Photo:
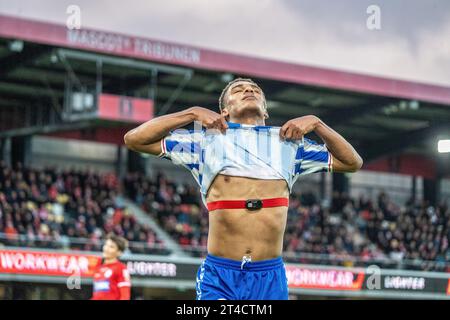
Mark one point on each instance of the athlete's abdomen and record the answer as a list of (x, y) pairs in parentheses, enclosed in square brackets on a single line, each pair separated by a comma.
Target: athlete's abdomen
[(234, 233)]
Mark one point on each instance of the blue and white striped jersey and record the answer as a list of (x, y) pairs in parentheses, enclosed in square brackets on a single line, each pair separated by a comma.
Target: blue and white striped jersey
[(245, 151)]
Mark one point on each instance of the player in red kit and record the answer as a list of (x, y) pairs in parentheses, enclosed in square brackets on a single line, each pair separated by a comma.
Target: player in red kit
[(111, 278)]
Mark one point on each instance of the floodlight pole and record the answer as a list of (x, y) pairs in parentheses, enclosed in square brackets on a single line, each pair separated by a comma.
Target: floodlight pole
[(99, 82)]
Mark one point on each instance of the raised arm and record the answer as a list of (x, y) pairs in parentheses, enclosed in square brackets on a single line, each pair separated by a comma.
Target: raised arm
[(147, 137), (344, 156)]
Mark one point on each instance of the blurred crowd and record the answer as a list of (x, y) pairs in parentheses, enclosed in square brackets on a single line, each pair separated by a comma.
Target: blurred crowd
[(415, 234), (176, 206), (349, 231), (66, 209), (76, 209)]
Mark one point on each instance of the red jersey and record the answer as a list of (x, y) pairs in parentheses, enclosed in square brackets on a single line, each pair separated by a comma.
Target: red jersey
[(111, 282)]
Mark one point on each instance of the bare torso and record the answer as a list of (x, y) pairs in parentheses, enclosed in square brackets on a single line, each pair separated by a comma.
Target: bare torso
[(234, 233)]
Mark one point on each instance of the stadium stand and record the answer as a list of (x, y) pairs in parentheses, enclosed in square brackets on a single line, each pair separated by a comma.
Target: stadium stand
[(175, 206), (414, 235), (352, 232), (66, 209), (52, 208)]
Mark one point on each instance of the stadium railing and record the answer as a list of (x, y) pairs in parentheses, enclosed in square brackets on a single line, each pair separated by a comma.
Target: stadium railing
[(79, 244), (84, 244), (347, 260)]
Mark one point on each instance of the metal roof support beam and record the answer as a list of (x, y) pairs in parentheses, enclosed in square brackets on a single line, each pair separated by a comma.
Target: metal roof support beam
[(347, 115), (175, 95), (153, 68), (12, 62), (397, 143), (128, 63), (33, 130)]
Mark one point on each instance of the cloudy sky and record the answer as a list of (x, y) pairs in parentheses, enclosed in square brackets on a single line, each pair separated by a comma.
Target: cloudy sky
[(413, 42)]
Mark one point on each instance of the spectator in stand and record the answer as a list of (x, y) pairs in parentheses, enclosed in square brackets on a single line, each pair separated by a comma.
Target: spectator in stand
[(52, 208), (351, 228)]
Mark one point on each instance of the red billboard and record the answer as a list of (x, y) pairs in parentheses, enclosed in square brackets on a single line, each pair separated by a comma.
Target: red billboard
[(448, 287), (121, 108), (47, 263), (325, 279)]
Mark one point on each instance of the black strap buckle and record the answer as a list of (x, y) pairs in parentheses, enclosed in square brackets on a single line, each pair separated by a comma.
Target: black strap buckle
[(253, 204)]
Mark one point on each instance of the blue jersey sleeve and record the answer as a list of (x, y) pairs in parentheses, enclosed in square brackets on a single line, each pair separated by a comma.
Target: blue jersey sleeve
[(312, 157), (183, 147)]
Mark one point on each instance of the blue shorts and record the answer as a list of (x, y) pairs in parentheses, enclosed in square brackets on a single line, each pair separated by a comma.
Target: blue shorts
[(219, 278)]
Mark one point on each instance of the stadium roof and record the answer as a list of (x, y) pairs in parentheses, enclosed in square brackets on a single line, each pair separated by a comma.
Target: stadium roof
[(378, 115)]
